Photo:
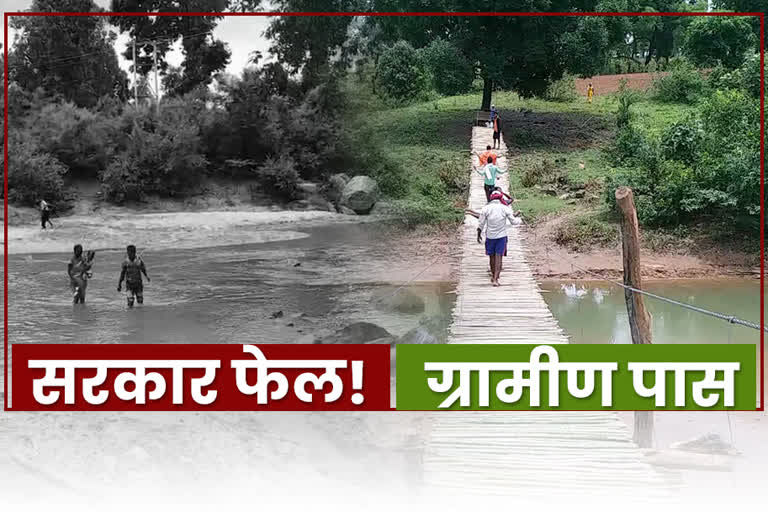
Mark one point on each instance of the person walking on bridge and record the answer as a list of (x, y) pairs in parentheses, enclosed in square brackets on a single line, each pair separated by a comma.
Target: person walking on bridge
[(493, 218), (489, 173), (497, 132)]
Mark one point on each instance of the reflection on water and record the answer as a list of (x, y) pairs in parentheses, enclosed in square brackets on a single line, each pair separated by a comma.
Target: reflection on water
[(595, 312)]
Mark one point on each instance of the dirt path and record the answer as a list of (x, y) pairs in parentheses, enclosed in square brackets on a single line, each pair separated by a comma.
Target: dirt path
[(549, 260), (606, 84)]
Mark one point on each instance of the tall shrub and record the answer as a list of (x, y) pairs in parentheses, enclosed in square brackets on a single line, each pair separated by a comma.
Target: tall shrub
[(401, 74), (450, 71), (683, 84), (33, 174)]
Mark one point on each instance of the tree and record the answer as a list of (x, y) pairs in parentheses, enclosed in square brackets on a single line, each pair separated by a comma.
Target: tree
[(311, 44), (400, 73), (451, 72), (746, 6), (723, 40), (204, 55), (641, 39), (72, 57), (521, 53)]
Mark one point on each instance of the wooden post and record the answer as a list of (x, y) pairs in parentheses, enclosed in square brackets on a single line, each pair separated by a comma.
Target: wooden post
[(639, 317)]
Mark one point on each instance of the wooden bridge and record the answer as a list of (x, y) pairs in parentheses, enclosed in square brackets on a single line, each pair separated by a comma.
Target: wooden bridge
[(546, 454)]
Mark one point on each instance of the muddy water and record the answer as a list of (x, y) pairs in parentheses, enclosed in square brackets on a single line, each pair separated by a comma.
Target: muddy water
[(207, 288)]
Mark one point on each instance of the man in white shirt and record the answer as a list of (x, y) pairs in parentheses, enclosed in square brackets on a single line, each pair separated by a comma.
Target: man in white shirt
[(493, 217)]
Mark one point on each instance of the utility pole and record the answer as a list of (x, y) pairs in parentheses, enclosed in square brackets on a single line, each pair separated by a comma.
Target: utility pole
[(639, 317), (135, 82), (157, 88)]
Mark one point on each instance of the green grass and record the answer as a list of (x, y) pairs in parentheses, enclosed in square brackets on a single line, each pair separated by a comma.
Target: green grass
[(421, 140), (589, 229)]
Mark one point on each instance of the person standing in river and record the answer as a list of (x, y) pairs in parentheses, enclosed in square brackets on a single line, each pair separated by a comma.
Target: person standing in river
[(133, 267), (488, 172), (45, 213), (493, 218), (79, 272)]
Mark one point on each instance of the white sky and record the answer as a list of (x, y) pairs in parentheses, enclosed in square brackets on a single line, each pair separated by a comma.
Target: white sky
[(243, 35)]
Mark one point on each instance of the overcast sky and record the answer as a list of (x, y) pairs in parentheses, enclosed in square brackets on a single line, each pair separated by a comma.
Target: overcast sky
[(242, 34)]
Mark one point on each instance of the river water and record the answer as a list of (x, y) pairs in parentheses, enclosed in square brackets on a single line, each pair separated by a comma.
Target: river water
[(221, 279), (600, 314), (595, 311), (252, 277), (326, 278)]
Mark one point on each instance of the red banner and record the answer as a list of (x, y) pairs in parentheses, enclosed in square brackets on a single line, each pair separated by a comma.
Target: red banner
[(184, 377)]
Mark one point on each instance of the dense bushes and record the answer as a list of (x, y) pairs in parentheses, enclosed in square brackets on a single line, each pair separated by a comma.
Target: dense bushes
[(721, 40), (683, 84), (681, 141), (283, 132), (163, 156), (279, 175), (450, 71), (707, 166), (404, 73), (33, 174), (79, 138), (400, 72), (563, 90)]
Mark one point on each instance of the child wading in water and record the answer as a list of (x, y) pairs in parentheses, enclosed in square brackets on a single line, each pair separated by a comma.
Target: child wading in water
[(133, 267)]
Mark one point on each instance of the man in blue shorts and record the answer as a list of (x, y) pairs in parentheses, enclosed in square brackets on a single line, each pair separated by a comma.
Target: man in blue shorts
[(493, 218)]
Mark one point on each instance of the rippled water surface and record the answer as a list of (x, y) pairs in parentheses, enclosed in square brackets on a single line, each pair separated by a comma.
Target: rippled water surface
[(599, 314)]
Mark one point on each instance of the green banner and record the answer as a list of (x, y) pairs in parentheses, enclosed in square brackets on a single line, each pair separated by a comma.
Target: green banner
[(576, 377)]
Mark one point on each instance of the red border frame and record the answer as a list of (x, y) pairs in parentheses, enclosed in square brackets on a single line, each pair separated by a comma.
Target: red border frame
[(762, 129)]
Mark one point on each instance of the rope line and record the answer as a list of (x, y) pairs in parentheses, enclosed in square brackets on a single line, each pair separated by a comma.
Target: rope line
[(731, 319), (438, 258)]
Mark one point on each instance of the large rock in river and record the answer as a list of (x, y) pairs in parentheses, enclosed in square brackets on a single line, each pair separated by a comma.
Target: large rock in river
[(360, 194)]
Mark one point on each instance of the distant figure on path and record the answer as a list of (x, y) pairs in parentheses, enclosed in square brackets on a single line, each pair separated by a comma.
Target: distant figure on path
[(494, 113), (493, 218), (590, 92), (133, 267), (45, 214), (483, 157), (79, 272), (489, 172), (497, 132)]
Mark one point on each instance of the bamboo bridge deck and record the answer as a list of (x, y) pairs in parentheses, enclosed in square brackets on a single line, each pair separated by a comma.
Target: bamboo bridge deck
[(519, 454)]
